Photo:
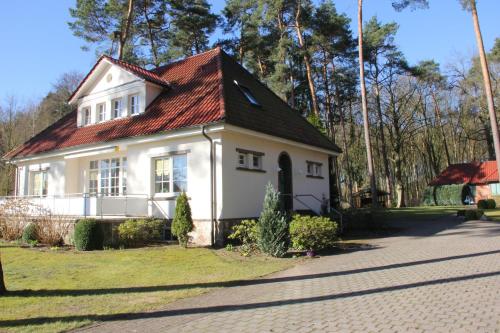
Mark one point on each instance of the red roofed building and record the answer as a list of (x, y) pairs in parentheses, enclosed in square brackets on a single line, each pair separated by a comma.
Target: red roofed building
[(482, 178), (203, 125)]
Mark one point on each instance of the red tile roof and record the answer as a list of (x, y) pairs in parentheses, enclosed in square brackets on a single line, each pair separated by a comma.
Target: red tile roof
[(468, 173), (200, 91)]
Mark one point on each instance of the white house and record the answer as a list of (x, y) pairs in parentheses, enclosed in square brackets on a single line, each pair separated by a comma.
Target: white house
[(203, 125)]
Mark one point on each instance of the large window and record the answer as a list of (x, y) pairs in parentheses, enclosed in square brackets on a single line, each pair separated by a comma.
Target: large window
[(134, 104), (39, 183), (495, 188), (109, 176), (170, 174)]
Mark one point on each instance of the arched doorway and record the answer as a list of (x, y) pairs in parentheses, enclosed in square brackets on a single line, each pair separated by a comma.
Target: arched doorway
[(285, 182)]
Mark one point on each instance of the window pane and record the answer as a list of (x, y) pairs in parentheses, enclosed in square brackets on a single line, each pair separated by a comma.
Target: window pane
[(180, 173), (124, 176)]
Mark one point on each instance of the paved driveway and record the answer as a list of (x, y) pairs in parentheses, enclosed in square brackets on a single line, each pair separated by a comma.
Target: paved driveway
[(440, 275)]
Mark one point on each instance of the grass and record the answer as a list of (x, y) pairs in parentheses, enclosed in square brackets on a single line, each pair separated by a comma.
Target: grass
[(493, 214), (70, 288), (418, 213)]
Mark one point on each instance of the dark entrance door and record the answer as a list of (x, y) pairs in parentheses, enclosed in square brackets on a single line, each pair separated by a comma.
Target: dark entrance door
[(285, 182)]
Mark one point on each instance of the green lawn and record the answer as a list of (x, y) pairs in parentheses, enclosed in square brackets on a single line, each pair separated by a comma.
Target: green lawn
[(71, 289), (493, 214), (418, 213)]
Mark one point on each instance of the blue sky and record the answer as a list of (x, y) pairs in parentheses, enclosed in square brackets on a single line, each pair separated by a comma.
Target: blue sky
[(38, 45)]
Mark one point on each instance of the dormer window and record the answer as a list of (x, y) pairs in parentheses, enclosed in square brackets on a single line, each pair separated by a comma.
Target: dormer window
[(101, 112), (247, 93), (117, 108), (134, 104), (86, 116)]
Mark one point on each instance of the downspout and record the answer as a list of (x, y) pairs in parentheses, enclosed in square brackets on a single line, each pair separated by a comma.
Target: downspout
[(212, 186)]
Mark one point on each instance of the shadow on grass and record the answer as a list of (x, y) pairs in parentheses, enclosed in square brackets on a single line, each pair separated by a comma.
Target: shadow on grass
[(237, 307), (233, 283)]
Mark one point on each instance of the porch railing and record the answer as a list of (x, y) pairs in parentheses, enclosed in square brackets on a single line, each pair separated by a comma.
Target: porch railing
[(85, 205)]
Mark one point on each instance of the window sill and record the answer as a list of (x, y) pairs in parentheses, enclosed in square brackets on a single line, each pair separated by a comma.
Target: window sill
[(167, 196), (315, 177), (251, 170)]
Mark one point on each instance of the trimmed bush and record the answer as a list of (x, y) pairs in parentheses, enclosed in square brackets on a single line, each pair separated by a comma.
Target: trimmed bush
[(312, 233), (473, 214), (136, 232), (30, 233), (482, 204), (273, 225), (492, 204), (182, 224), (247, 233), (88, 235)]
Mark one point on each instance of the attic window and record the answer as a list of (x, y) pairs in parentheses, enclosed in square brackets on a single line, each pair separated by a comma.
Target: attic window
[(248, 94)]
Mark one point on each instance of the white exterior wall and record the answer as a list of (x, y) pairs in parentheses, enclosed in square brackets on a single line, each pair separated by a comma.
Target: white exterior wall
[(243, 191)]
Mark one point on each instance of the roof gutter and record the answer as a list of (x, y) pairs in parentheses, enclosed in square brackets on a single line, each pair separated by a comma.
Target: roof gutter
[(212, 186)]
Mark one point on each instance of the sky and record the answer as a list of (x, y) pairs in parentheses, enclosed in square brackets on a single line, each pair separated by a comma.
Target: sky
[(38, 45)]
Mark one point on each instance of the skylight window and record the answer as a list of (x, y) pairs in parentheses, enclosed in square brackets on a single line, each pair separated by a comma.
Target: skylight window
[(247, 93)]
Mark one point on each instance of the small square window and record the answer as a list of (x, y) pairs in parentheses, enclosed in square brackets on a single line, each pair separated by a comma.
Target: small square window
[(314, 169), (257, 162), (242, 160)]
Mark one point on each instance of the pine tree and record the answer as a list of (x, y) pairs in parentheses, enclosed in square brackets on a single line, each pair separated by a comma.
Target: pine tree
[(183, 222), (273, 225), (191, 25)]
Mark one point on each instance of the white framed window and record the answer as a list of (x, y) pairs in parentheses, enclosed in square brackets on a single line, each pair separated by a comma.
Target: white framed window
[(314, 169), (101, 112), (124, 176), (170, 174), (93, 177), (250, 160), (108, 177), (39, 183), (134, 104), (242, 160), (257, 162), (116, 106), (86, 116)]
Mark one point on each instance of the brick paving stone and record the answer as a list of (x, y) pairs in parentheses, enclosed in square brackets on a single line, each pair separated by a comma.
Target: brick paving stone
[(436, 276)]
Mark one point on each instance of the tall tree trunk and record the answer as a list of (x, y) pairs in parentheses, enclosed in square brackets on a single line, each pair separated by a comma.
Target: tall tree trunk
[(437, 112), (346, 156), (385, 157), (371, 171), (3, 290), (154, 50), (307, 61), (487, 82), (125, 32)]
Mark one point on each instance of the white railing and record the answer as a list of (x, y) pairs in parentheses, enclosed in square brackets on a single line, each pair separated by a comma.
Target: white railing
[(82, 204)]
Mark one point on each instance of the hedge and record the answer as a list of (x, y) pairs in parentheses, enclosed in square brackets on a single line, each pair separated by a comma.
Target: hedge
[(443, 195)]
